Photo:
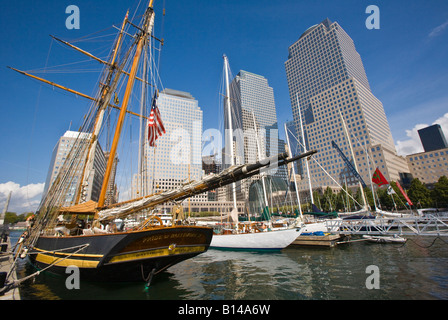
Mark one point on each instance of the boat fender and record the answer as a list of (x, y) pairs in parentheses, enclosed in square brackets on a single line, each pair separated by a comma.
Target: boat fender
[(24, 253)]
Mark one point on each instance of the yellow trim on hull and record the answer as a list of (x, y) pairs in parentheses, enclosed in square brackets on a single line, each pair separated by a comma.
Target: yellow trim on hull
[(47, 259), (71, 254), (65, 262), (157, 253)]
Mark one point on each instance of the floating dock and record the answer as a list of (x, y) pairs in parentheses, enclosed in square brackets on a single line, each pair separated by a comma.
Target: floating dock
[(327, 240), (429, 225), (6, 263)]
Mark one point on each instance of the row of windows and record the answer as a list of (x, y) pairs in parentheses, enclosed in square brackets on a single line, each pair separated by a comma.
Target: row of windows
[(426, 156)]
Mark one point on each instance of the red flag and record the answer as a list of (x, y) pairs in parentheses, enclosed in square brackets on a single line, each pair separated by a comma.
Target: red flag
[(155, 124), (378, 178), (404, 194)]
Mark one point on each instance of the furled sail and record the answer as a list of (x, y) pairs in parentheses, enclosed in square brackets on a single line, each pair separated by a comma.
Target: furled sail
[(210, 182)]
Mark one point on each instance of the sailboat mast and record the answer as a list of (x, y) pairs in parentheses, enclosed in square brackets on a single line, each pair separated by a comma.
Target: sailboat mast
[(259, 159), (142, 39), (304, 150), (293, 173), (370, 174), (104, 100), (141, 157), (230, 129), (353, 157)]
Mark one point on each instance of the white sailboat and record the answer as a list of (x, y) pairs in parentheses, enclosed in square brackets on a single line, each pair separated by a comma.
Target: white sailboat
[(388, 214), (250, 235), (256, 240)]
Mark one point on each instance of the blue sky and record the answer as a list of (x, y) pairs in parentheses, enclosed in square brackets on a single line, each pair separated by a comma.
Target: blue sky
[(405, 61)]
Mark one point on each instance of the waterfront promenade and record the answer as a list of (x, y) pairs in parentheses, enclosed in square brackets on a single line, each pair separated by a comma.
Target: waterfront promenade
[(6, 261)]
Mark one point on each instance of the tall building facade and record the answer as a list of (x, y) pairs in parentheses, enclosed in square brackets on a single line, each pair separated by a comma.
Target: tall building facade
[(177, 155), (430, 165), (254, 121), (326, 78), (95, 177)]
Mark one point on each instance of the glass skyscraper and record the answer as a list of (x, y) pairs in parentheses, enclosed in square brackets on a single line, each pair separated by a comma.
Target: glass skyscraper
[(326, 77), (254, 113), (61, 151), (177, 156), (432, 138)]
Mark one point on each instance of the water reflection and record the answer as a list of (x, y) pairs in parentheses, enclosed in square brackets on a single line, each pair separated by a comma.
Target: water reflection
[(416, 270), (237, 275)]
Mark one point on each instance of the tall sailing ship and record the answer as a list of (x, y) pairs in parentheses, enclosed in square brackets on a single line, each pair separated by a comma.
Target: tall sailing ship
[(60, 235)]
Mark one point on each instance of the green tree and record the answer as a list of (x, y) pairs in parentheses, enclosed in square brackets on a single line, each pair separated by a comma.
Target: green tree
[(359, 202), (350, 204), (440, 192), (339, 201), (11, 217), (398, 196), (317, 200), (419, 194), (328, 200), (369, 197), (385, 199)]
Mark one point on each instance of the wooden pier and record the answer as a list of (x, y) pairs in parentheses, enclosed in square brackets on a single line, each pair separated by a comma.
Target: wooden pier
[(6, 262), (327, 240)]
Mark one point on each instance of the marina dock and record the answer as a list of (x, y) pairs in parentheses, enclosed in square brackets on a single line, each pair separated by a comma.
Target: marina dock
[(429, 225), (327, 240), (6, 263)]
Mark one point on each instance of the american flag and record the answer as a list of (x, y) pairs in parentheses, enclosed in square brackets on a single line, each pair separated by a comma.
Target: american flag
[(155, 125)]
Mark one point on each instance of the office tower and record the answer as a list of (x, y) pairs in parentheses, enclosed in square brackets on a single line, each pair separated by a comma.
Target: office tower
[(112, 188), (177, 155), (255, 118), (432, 138), (95, 178), (429, 166), (326, 77), (210, 165)]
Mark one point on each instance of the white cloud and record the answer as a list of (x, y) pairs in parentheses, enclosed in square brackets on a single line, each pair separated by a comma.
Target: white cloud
[(413, 144), (437, 30), (23, 198)]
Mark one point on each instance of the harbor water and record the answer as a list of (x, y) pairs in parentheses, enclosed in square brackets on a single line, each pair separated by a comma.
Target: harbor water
[(417, 269)]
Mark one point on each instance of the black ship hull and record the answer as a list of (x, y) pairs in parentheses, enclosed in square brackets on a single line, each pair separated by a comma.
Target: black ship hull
[(123, 256)]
